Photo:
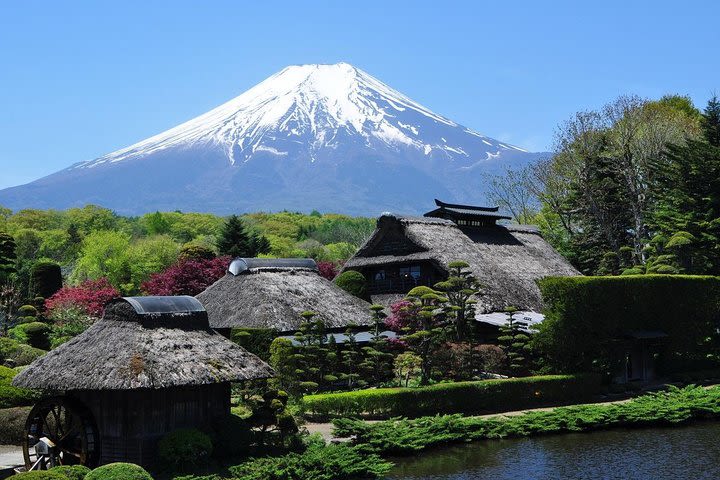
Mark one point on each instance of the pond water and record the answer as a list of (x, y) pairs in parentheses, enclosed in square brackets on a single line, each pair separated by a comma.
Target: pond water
[(691, 452)]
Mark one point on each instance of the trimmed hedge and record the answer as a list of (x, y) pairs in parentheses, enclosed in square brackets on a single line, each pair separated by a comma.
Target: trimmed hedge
[(18, 354), (461, 397), (583, 315), (352, 282), (12, 425), (185, 448), (12, 396), (119, 471)]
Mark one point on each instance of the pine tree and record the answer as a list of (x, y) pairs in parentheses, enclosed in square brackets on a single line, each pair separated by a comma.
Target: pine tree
[(711, 122), (514, 342), (234, 239), (7, 256), (460, 289)]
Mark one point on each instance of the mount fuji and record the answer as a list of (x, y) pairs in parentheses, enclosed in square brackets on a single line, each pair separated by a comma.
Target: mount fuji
[(324, 137)]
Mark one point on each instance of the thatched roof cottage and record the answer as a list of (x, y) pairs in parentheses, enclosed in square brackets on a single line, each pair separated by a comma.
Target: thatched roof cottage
[(149, 366), (273, 293), (404, 252)]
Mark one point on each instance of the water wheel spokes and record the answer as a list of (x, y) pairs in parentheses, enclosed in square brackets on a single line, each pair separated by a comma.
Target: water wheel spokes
[(60, 431)]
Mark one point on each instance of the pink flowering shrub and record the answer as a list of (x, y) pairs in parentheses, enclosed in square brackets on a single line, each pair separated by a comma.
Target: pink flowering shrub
[(88, 298), (189, 276)]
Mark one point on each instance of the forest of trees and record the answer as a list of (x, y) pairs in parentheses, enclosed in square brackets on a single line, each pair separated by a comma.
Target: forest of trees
[(92, 243), (631, 188)]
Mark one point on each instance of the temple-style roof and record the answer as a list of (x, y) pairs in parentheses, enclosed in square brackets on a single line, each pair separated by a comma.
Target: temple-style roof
[(273, 293), (507, 260), (464, 215), (144, 342)]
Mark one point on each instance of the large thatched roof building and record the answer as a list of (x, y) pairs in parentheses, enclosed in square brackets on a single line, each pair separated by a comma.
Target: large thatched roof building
[(273, 293), (149, 366), (405, 251)]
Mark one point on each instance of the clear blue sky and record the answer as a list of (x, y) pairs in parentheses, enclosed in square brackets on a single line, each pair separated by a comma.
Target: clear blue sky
[(80, 79)]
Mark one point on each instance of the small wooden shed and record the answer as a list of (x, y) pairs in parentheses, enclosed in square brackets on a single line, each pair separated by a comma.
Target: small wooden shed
[(151, 365)]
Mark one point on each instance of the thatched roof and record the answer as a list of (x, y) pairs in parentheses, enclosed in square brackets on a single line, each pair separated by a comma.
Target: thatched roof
[(144, 342), (274, 293), (507, 260)]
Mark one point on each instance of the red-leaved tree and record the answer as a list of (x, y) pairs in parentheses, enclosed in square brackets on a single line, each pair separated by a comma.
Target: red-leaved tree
[(328, 270), (89, 298), (187, 277)]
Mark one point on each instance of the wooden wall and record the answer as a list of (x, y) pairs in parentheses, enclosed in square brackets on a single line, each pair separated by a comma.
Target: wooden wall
[(131, 422)]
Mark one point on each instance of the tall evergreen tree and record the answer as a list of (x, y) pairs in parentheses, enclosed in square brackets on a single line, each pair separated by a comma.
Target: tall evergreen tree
[(236, 240), (7, 256), (711, 122)]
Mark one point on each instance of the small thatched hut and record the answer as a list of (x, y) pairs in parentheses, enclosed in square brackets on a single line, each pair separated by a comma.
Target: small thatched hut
[(404, 252), (273, 293), (149, 366)]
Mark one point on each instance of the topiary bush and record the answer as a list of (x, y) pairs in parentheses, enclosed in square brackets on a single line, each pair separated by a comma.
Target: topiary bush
[(232, 436), (72, 472), (119, 471), (11, 396), (27, 311), (14, 353), (12, 425), (35, 334), (39, 475), (185, 448), (352, 282)]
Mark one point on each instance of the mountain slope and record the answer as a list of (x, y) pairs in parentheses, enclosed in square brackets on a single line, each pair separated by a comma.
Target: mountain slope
[(326, 137)]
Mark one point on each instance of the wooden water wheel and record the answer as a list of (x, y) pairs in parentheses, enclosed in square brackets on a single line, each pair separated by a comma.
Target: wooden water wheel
[(60, 431)]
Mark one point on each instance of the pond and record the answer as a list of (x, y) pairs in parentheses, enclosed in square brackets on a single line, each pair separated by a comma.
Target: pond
[(691, 452)]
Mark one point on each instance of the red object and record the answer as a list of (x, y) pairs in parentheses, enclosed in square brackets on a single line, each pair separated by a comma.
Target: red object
[(328, 270), (90, 296), (187, 277)]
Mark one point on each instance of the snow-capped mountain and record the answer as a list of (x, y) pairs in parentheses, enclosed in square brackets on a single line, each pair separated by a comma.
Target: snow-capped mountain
[(325, 137)]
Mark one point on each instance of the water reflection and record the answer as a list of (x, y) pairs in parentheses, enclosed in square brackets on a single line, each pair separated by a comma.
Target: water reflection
[(649, 454)]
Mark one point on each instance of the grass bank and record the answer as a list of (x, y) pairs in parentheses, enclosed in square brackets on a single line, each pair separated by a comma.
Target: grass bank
[(406, 436)]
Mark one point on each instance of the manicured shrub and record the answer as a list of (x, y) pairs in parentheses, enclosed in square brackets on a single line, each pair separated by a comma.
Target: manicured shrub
[(72, 472), (119, 471), (35, 334), (459, 397), (352, 282), (232, 436), (12, 425), (46, 278), (185, 448), (27, 311), (584, 314), (11, 396), (16, 353), (39, 475)]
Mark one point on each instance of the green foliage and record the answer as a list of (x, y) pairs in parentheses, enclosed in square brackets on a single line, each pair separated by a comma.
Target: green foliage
[(35, 334), (584, 314), (27, 311), (185, 448), (11, 396), (459, 397), (119, 471), (318, 462), (72, 472), (352, 282), (255, 340), (232, 437), (46, 278), (12, 424), (282, 359), (41, 475), (407, 437), (7, 256), (16, 353), (514, 342), (236, 240)]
